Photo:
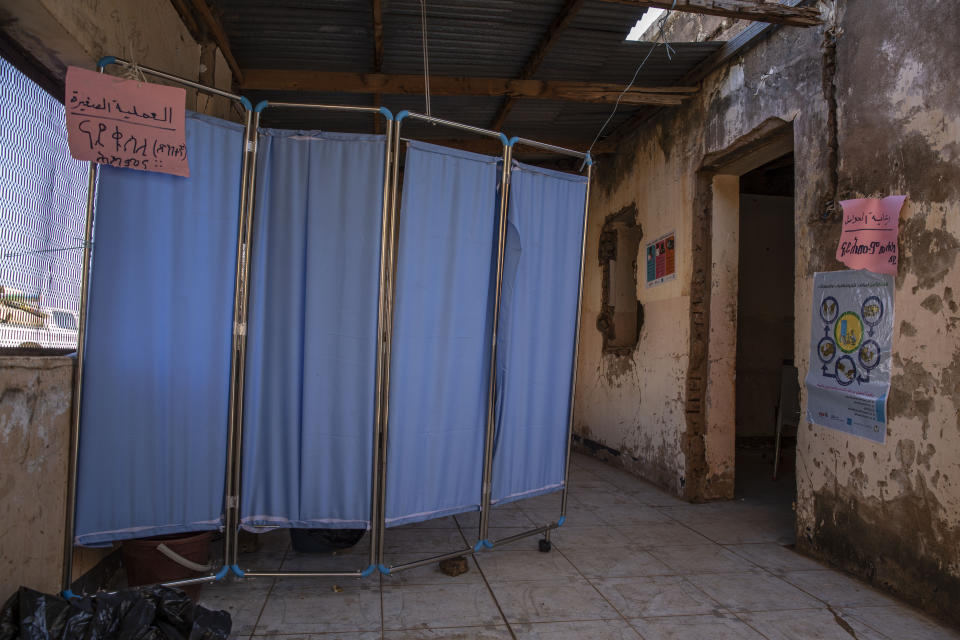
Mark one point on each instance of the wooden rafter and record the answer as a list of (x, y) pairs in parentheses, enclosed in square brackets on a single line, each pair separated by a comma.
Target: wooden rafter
[(756, 10), (380, 83), (564, 17), (219, 36)]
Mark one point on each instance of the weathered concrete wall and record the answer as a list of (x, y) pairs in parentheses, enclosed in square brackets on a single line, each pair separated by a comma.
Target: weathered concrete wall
[(34, 435), (892, 512), (59, 33), (79, 32), (879, 117)]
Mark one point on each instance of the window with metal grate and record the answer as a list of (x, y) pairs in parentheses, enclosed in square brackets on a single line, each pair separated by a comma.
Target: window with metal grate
[(42, 207)]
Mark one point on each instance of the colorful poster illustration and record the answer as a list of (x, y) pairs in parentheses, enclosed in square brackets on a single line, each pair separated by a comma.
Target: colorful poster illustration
[(661, 259), (126, 123), (869, 236), (850, 345)]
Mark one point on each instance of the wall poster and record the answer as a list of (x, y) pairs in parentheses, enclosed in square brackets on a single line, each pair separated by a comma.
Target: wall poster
[(661, 260), (851, 338), (126, 123)]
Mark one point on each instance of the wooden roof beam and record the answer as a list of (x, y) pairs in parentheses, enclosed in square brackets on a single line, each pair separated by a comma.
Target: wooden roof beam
[(756, 10), (215, 29), (380, 84), (564, 17)]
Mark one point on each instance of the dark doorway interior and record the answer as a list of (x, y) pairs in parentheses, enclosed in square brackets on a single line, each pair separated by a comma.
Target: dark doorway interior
[(766, 379)]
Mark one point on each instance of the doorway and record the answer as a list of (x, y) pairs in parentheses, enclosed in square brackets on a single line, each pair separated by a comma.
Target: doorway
[(766, 384)]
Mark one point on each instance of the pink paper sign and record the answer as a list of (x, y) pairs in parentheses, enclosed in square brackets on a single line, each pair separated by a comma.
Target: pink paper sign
[(869, 237), (125, 123)]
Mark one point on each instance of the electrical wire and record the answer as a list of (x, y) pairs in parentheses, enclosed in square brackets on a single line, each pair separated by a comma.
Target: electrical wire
[(661, 39), (426, 53)]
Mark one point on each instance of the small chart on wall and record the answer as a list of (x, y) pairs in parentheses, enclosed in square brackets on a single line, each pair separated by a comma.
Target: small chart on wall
[(661, 261), (850, 345)]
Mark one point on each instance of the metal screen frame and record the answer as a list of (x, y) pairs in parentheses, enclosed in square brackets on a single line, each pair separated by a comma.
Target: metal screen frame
[(382, 319), (485, 509), (387, 292), (491, 391), (74, 443)]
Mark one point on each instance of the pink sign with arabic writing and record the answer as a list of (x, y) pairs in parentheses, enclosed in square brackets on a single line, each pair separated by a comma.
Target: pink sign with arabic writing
[(126, 123), (869, 236)]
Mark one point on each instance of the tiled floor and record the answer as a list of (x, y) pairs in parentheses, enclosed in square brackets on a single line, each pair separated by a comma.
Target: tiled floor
[(631, 562)]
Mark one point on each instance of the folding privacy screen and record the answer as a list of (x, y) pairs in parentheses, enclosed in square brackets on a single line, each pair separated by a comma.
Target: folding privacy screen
[(276, 341)]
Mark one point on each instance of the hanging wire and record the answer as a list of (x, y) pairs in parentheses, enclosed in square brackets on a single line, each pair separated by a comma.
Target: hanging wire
[(426, 53), (661, 39)]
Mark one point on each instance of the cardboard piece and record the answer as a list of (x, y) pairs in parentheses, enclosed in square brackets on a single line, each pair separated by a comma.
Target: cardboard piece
[(869, 237), (126, 123)]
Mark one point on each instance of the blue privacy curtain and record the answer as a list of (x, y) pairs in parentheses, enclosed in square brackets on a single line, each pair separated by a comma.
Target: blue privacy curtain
[(153, 431), (537, 331), (441, 333), (311, 345)]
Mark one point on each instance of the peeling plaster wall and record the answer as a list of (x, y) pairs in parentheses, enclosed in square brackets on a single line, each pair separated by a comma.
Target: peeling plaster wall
[(890, 513), (633, 403), (34, 432), (641, 405)]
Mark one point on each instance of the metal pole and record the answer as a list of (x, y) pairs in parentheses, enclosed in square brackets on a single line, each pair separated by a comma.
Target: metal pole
[(449, 123), (381, 339), (229, 503), (430, 560), (487, 483), (576, 347), (321, 107), (549, 147), (169, 76), (388, 340), (244, 285), (74, 452)]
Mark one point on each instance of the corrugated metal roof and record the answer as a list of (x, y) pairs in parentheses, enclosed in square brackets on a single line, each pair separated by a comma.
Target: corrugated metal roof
[(466, 38)]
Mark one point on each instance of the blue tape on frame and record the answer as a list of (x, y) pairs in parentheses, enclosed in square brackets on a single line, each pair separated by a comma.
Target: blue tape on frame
[(561, 521), (505, 139), (222, 573), (366, 573), (384, 569), (386, 113), (513, 141), (67, 595), (478, 546), (487, 544), (106, 61), (237, 570), (403, 114), (246, 104), (261, 105), (588, 159)]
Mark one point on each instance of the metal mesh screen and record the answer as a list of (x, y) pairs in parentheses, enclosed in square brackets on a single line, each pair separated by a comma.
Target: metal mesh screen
[(42, 207)]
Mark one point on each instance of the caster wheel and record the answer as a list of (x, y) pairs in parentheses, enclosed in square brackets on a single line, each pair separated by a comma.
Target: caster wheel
[(545, 546)]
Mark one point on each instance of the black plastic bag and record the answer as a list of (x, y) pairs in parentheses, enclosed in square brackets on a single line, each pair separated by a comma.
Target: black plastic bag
[(145, 613)]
